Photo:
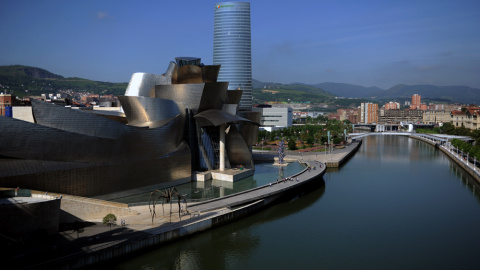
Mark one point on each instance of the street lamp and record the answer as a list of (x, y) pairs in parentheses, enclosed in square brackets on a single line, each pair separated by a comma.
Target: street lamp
[(325, 148)]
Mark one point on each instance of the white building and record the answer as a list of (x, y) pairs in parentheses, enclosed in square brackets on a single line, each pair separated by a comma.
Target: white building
[(275, 118)]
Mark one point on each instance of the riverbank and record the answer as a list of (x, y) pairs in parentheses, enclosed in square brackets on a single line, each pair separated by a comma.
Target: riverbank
[(95, 243), (335, 159), (456, 157)]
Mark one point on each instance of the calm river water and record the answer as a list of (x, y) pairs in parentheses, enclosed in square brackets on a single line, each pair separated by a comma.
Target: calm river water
[(397, 204)]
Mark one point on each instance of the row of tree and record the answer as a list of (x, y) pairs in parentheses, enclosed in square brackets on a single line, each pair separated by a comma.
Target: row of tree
[(309, 134), (469, 150), (473, 150)]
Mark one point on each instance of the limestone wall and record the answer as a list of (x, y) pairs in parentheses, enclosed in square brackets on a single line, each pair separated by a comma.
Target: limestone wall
[(83, 209), (23, 113)]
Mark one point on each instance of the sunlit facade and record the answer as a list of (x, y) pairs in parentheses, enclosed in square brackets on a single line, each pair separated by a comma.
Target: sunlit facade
[(232, 48)]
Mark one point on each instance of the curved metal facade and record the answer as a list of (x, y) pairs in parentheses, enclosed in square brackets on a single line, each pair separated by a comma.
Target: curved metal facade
[(148, 112), (232, 48), (171, 129)]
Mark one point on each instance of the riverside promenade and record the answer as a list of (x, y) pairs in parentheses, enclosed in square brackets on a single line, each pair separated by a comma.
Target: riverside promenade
[(471, 168), (332, 159), (97, 244)]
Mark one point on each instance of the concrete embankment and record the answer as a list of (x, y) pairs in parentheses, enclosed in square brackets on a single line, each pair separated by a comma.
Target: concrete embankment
[(332, 159), (454, 156), (202, 216)]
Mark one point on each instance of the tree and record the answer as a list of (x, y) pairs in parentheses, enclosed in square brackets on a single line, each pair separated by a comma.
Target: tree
[(292, 144), (448, 128), (310, 141), (110, 220)]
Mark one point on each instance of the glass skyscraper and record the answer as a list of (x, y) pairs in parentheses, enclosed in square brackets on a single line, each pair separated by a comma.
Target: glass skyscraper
[(232, 48)]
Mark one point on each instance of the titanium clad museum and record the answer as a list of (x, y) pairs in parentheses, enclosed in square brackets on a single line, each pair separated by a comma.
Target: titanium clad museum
[(232, 48), (174, 124)]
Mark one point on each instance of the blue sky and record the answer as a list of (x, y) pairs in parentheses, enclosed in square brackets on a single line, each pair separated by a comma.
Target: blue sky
[(370, 43)]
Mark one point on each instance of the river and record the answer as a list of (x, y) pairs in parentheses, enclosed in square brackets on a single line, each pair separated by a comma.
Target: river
[(398, 203)]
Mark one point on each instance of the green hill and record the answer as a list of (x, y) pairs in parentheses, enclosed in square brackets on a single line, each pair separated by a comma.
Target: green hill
[(295, 93), (25, 80)]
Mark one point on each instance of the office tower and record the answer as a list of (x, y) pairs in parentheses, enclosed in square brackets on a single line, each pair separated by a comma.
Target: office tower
[(232, 48)]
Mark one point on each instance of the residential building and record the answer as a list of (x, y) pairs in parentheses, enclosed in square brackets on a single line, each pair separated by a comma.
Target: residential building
[(368, 113), (458, 118), (436, 116), (468, 118), (6, 101), (392, 106), (348, 114), (416, 103), (398, 116)]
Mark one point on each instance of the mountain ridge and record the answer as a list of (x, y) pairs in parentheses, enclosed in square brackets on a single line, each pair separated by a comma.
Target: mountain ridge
[(19, 78)]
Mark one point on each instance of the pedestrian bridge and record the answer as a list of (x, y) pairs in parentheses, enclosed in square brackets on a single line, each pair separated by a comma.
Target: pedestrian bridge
[(438, 138)]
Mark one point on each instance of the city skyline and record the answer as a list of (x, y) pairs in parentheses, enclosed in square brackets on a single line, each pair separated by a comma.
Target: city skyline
[(371, 43)]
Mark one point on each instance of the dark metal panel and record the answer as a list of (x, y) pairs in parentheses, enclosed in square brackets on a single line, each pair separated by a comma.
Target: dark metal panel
[(94, 179), (189, 74), (249, 132), (76, 121), (20, 139), (210, 73), (76, 136), (234, 96), (213, 96), (238, 152), (217, 117)]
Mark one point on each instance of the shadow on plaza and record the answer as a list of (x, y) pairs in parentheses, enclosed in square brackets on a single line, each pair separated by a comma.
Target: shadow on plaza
[(72, 239)]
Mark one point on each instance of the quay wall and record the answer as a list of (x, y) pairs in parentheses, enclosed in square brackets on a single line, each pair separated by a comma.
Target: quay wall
[(337, 163), (157, 237), (457, 160), (160, 235)]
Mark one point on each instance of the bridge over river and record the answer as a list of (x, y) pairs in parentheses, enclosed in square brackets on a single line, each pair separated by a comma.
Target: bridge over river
[(440, 139)]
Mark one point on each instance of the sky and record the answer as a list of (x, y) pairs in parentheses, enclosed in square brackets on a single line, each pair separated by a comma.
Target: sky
[(369, 43)]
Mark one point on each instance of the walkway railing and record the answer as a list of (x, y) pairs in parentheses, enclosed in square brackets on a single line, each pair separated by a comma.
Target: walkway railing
[(465, 159), (174, 202)]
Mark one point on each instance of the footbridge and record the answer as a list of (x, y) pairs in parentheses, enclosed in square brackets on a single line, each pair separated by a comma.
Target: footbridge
[(441, 139)]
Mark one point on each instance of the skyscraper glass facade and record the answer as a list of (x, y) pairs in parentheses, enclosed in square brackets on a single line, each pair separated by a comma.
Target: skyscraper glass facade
[(232, 48)]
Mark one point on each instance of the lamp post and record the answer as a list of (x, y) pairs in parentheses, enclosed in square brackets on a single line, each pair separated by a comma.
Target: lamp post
[(325, 148), (467, 159)]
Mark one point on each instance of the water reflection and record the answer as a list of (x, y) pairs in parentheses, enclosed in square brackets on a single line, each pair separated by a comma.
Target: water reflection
[(398, 203), (227, 246), (264, 174)]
